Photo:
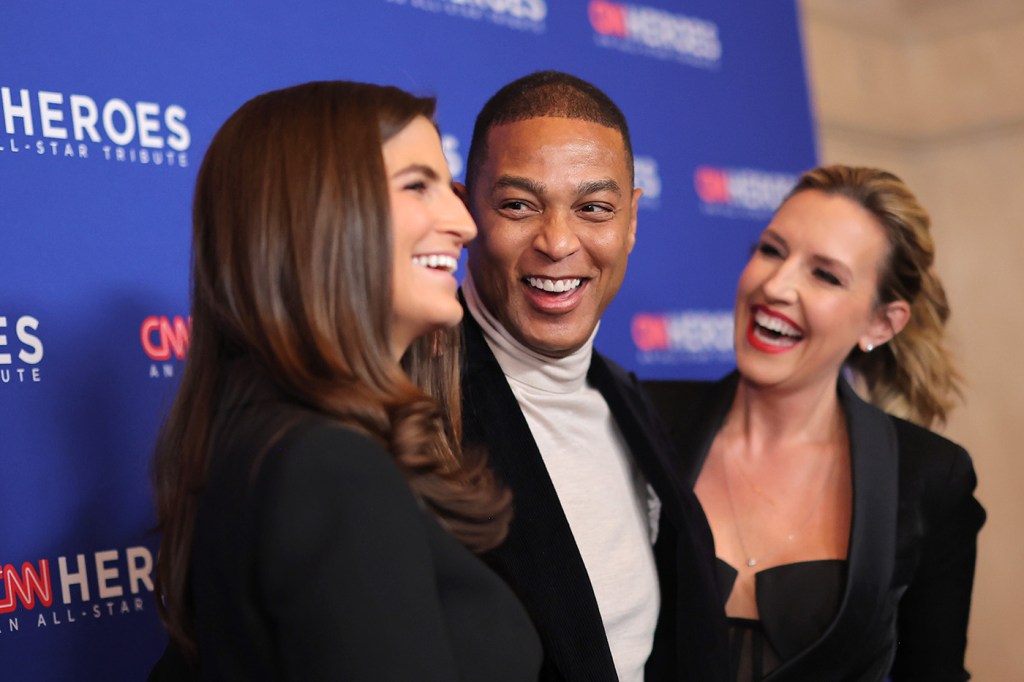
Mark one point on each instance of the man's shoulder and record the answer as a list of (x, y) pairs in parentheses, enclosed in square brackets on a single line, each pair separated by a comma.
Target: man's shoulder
[(616, 371), (676, 393)]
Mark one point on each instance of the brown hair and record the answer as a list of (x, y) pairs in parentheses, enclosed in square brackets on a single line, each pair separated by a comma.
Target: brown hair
[(291, 288), (913, 375)]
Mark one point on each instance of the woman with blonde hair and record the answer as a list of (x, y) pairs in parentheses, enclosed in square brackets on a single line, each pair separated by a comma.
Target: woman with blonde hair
[(845, 536), (317, 516)]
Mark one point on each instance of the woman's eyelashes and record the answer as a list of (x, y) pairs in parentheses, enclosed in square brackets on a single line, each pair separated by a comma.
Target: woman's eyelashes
[(418, 186), (827, 277), (769, 250)]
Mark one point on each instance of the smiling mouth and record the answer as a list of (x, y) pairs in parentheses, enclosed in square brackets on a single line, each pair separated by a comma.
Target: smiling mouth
[(772, 333), (436, 261), (554, 286)]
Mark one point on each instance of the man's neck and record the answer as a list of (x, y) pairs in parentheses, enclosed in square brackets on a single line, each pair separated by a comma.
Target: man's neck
[(557, 375)]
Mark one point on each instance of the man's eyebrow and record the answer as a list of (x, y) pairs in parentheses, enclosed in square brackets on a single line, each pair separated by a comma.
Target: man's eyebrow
[(519, 182), (595, 186)]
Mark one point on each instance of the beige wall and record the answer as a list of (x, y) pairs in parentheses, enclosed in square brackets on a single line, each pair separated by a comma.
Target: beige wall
[(934, 90)]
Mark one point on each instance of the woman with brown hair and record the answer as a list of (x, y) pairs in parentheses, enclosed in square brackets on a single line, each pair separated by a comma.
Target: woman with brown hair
[(845, 536), (314, 507)]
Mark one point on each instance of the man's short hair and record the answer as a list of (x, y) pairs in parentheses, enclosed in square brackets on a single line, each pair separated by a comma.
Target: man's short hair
[(544, 93)]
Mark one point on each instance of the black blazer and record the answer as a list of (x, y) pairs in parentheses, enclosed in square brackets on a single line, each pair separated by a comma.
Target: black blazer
[(540, 560), (913, 539), (314, 561)]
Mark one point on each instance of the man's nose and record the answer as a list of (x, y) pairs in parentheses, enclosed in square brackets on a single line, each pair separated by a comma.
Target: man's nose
[(556, 238)]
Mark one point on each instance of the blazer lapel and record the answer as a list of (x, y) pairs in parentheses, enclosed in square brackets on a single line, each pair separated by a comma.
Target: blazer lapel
[(539, 559), (691, 640), (650, 456), (872, 550)]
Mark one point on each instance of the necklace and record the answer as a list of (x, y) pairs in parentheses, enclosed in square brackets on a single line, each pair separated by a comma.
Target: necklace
[(751, 560)]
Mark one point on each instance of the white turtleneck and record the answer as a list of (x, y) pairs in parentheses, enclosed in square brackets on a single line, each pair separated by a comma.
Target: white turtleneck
[(611, 510)]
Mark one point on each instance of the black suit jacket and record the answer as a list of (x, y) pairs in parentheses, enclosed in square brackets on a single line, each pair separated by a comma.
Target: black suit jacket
[(540, 559), (913, 538), (313, 560)]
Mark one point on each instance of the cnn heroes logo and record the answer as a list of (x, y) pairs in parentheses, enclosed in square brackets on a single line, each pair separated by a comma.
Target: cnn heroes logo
[(701, 336), (521, 15), (60, 125), (648, 178), (45, 594), (21, 350), (450, 147), (655, 33), (741, 192), (165, 342)]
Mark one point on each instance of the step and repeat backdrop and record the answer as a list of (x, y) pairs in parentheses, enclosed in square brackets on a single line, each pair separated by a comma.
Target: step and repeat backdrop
[(106, 110)]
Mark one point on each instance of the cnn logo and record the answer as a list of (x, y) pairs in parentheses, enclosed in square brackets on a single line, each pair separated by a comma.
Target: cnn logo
[(163, 337)]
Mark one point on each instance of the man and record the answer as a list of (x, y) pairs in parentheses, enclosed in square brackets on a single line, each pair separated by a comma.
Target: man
[(549, 181)]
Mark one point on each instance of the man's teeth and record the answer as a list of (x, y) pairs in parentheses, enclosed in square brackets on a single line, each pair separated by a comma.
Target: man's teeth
[(554, 285), (774, 324), (437, 262)]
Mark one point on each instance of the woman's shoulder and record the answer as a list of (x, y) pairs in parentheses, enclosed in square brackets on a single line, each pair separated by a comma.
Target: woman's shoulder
[(938, 472), (319, 447), (282, 450), (314, 434), (326, 482), (928, 453), (924, 455)]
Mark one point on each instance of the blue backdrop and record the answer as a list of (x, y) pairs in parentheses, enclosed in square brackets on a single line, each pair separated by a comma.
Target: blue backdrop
[(107, 109)]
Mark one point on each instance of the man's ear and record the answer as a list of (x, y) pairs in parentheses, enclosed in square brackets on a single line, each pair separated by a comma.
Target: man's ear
[(889, 320), (635, 205)]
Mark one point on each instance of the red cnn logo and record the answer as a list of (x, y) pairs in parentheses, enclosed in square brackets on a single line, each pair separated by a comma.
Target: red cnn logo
[(712, 185), (649, 332), (162, 336), (26, 586), (607, 18)]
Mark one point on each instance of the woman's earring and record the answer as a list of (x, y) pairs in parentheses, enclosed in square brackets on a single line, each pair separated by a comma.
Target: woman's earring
[(869, 347)]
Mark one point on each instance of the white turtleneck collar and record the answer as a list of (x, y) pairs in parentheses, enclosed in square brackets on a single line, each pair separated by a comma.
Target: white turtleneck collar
[(525, 366)]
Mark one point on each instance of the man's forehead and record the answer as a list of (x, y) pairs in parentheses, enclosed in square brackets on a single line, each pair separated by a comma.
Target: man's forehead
[(528, 139), (555, 125)]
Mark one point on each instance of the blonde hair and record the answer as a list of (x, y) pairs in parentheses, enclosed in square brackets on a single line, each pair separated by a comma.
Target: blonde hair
[(913, 375)]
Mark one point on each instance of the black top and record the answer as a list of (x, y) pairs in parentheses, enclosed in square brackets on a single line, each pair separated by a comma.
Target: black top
[(906, 598), (540, 560), (316, 562), (796, 602)]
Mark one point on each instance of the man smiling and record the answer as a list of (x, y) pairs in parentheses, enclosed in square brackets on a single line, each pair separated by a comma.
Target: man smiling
[(610, 555)]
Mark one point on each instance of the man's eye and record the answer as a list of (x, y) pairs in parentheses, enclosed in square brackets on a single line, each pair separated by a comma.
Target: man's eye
[(514, 205)]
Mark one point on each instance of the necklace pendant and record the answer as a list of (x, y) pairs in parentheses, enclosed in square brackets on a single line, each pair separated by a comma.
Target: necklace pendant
[(751, 562)]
